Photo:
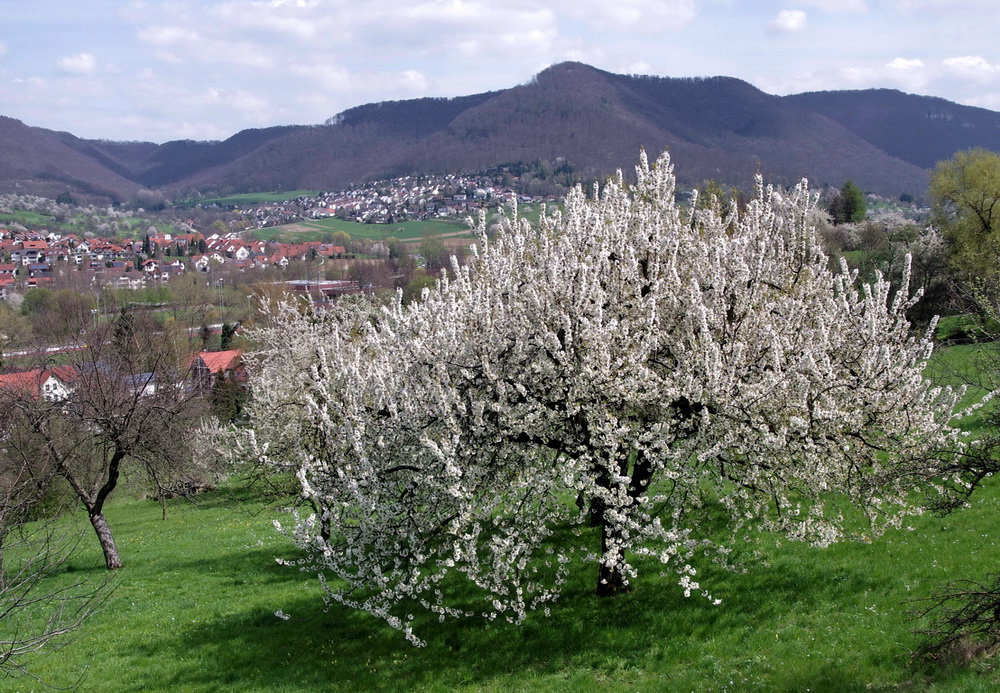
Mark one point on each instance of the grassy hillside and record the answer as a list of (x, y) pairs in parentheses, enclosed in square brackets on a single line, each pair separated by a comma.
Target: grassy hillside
[(194, 611), (407, 231), (316, 229), (249, 198)]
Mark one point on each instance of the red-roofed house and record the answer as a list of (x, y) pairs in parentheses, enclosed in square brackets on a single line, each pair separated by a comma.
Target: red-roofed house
[(5, 283), (332, 251), (51, 383), (208, 365)]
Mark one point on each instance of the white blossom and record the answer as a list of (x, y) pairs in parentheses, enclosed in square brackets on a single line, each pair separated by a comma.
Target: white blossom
[(630, 361)]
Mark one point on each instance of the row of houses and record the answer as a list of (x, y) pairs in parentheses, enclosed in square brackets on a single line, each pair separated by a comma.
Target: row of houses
[(32, 259), (23, 248), (57, 383), (392, 201), (234, 250)]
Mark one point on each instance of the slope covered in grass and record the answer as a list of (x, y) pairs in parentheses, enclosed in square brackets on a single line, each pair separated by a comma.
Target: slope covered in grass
[(194, 610)]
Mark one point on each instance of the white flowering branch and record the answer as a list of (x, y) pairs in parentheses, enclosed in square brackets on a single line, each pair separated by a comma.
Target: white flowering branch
[(620, 365)]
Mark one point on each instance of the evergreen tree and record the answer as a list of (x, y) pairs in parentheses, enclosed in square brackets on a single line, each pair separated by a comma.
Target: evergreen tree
[(849, 204), (226, 338)]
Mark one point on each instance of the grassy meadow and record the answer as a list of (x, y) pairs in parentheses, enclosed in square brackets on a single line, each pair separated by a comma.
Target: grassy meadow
[(26, 218), (249, 199), (415, 231), (194, 611), (316, 229)]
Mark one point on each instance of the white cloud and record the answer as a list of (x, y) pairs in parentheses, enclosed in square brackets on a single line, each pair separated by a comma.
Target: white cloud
[(789, 21), (901, 73), (946, 6), (535, 40), (990, 101), (906, 64), (414, 80), (177, 44), (300, 21), (234, 99), (82, 64), (169, 35), (837, 6), (645, 16), (29, 81), (972, 67), (640, 67)]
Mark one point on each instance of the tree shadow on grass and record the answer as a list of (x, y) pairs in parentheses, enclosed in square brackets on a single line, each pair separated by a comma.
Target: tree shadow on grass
[(646, 635)]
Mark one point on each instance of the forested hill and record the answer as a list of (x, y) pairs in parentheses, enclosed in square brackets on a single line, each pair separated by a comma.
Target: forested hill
[(716, 128), (920, 129)]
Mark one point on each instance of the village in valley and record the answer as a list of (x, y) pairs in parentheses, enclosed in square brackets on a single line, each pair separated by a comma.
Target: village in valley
[(49, 257), (200, 269)]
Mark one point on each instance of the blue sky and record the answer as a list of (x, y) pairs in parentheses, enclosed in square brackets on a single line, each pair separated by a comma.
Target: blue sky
[(156, 71)]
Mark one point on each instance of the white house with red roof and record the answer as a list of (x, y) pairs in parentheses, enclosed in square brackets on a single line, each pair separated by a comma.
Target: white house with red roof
[(50, 383)]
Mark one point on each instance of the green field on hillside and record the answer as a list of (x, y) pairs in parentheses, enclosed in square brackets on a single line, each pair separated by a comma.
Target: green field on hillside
[(194, 610), (34, 221), (246, 199), (316, 229), (30, 220), (407, 231)]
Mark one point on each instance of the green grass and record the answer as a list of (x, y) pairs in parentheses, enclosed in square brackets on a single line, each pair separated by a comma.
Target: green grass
[(250, 198), (404, 231), (972, 365), (27, 219), (965, 328), (194, 611), (410, 231)]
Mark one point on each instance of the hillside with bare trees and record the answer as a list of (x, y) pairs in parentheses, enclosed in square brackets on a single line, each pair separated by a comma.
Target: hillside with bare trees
[(570, 115)]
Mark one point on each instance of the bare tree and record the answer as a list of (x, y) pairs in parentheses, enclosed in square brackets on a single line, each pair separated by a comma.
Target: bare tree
[(964, 620), (128, 407), (15, 332), (191, 300), (32, 614), (22, 482)]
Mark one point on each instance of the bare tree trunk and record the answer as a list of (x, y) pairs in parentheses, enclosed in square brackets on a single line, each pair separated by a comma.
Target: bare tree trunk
[(95, 510), (112, 559)]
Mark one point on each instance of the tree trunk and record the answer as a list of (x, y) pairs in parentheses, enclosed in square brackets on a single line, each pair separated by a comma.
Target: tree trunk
[(610, 580), (112, 559)]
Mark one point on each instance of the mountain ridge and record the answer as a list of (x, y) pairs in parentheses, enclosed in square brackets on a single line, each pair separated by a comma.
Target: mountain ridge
[(718, 128)]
